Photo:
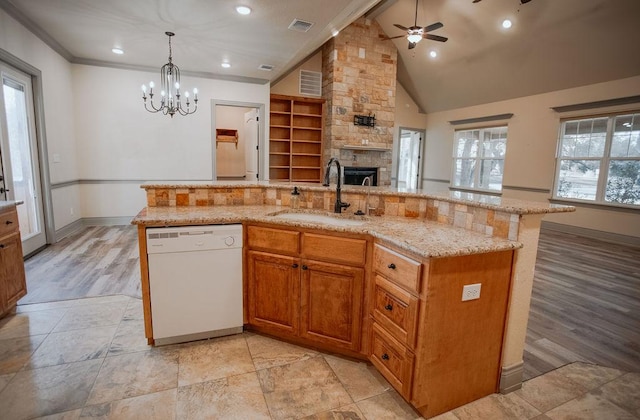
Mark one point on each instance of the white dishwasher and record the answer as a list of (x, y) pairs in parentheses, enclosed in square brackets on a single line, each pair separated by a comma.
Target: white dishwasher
[(195, 277)]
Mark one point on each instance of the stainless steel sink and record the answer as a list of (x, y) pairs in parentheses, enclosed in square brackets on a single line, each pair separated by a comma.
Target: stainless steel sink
[(320, 218)]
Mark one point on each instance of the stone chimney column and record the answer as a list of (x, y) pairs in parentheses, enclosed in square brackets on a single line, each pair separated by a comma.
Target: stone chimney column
[(359, 78)]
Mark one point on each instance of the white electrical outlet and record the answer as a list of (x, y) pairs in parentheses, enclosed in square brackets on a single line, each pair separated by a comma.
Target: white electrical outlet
[(71, 211), (471, 291)]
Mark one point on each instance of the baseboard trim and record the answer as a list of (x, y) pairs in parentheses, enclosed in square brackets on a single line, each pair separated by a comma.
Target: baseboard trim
[(592, 233), (80, 224), (69, 229), (511, 378)]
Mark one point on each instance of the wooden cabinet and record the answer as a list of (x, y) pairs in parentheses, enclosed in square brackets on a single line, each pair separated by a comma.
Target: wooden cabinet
[(274, 292), (13, 284), (438, 351), (294, 295), (295, 138), (331, 302)]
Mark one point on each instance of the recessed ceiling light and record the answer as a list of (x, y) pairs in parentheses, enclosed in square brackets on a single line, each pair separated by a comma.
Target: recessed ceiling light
[(433, 54), (118, 51), (225, 65), (506, 24), (243, 10)]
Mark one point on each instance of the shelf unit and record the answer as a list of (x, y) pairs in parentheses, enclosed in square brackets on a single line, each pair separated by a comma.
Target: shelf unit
[(295, 138)]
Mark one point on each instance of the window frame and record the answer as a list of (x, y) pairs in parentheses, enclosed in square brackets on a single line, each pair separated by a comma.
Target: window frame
[(479, 159), (605, 160)]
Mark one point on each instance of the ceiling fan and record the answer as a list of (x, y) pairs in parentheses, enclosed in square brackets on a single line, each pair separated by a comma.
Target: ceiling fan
[(416, 33)]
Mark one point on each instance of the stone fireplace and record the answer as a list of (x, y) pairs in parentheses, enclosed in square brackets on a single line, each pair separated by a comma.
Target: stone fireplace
[(359, 79)]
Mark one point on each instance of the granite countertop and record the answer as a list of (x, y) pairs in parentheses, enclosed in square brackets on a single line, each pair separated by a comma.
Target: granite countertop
[(5, 204), (491, 202), (418, 236)]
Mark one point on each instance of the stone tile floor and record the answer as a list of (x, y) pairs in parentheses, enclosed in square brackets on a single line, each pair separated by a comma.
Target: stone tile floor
[(88, 358)]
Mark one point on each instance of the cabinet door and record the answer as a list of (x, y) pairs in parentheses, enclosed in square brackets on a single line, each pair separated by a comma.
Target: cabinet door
[(331, 304), (12, 278), (274, 292)]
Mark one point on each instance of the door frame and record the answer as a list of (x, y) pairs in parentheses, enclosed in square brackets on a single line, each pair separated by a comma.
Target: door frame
[(261, 133), (41, 139), (423, 133)]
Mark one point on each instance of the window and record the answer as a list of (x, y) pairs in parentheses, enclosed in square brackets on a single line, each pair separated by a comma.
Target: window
[(478, 158), (599, 160)]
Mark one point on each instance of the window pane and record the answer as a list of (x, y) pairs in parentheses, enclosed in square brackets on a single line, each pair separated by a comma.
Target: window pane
[(623, 182), (578, 179), (626, 136), (494, 149), (584, 138), (491, 174), (466, 143), (465, 169)]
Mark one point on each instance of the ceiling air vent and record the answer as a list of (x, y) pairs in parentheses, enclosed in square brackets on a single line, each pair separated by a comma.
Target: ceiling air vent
[(310, 83), (265, 67), (300, 25)]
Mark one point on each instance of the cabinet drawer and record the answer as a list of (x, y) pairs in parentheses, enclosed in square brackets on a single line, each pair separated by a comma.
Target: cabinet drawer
[(8, 222), (268, 239), (397, 268), (334, 249), (396, 310), (392, 359)]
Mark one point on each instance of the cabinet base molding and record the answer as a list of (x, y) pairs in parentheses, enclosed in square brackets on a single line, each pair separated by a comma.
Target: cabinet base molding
[(511, 378), (307, 343)]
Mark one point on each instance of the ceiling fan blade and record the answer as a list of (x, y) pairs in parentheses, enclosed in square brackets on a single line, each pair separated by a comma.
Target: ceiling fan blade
[(433, 27), (400, 27), (412, 45), (436, 38)]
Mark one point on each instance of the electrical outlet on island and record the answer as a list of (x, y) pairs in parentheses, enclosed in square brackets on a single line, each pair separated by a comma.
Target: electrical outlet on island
[(471, 291)]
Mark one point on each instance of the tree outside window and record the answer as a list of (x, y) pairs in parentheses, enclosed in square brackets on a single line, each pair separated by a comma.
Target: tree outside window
[(599, 160), (478, 158)]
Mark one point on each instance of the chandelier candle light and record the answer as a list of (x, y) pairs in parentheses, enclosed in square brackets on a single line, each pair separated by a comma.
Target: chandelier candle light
[(170, 102)]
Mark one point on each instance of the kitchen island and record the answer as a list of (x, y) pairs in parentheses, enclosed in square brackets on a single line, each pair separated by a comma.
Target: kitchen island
[(390, 288)]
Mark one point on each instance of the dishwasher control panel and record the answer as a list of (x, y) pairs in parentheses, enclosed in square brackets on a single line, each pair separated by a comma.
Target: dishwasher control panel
[(192, 238)]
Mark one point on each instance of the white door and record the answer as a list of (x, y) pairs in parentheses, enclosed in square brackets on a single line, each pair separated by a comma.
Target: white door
[(251, 144), (19, 164), (409, 155)]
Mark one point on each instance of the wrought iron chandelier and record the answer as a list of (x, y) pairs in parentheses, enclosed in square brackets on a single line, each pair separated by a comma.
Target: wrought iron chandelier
[(170, 102)]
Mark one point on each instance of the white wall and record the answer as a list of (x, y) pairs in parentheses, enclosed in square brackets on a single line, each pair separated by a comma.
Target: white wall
[(119, 141), (57, 84), (532, 138)]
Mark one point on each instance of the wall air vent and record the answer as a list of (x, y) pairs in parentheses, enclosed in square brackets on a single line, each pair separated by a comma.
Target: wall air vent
[(310, 83), (300, 25), (265, 67)]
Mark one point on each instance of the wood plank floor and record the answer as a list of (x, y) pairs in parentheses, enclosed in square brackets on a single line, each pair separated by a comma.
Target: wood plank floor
[(585, 303), (97, 261)]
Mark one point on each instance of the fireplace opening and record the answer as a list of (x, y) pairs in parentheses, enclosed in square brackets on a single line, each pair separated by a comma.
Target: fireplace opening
[(356, 175)]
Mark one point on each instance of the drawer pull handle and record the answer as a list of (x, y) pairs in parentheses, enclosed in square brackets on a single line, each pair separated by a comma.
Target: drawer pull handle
[(392, 266), (295, 265), (1, 246), (8, 222), (385, 356), (304, 267), (389, 307)]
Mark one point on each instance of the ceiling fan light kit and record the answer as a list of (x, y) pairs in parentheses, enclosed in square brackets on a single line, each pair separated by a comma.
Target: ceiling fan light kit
[(170, 102), (417, 33)]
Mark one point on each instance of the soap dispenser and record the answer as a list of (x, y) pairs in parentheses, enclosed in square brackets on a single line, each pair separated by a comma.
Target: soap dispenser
[(295, 198)]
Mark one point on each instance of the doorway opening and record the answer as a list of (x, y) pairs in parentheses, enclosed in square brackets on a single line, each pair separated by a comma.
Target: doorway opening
[(410, 146), (237, 136)]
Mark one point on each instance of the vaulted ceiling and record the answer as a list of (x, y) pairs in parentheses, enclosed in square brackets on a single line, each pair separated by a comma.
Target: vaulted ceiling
[(552, 45)]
